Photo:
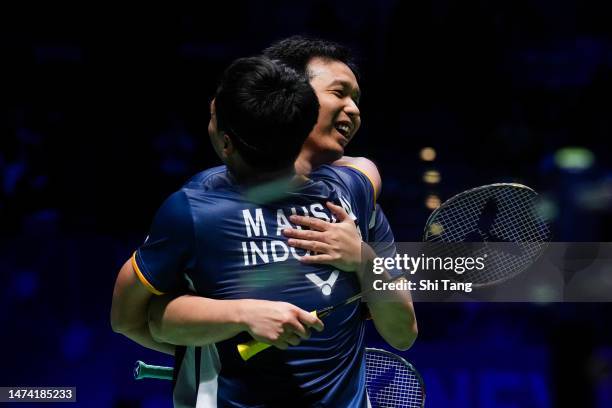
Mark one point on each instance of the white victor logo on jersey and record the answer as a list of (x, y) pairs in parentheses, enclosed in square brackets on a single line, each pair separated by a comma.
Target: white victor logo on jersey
[(327, 285)]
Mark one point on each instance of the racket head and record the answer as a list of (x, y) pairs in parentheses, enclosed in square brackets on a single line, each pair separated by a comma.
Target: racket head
[(503, 222), (392, 381)]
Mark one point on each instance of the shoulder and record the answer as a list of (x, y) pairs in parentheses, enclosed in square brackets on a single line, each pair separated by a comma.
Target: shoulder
[(209, 178), (175, 210), (364, 166)]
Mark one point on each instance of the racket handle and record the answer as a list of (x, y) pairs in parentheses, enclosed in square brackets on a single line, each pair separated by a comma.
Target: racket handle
[(143, 370), (249, 349)]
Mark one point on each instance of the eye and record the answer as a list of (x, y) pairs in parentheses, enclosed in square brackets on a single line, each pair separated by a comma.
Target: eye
[(338, 92)]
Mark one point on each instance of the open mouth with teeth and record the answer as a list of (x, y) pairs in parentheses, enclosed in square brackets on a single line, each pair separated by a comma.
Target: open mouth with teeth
[(344, 129)]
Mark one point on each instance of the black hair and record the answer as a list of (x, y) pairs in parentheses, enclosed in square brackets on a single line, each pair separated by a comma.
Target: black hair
[(267, 109), (297, 51)]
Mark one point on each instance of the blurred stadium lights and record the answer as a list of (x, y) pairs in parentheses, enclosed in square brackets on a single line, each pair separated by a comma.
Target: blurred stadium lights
[(77, 341), (595, 196), (574, 159), (428, 154), (548, 208), (26, 284), (436, 229), (431, 177), (544, 293), (432, 201)]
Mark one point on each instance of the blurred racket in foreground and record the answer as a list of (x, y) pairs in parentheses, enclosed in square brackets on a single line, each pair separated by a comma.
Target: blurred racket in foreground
[(391, 381)]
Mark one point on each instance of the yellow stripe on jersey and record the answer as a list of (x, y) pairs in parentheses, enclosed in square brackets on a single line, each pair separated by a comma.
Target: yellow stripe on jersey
[(365, 174), (142, 277)]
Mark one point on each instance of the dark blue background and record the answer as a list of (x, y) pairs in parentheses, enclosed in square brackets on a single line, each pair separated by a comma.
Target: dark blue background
[(105, 111)]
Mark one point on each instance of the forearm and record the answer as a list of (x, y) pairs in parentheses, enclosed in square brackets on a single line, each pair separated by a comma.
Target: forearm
[(142, 336), (392, 313), (395, 321), (194, 321)]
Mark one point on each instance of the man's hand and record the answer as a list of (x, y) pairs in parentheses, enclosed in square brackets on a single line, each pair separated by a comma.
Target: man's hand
[(278, 323), (336, 244), (197, 321)]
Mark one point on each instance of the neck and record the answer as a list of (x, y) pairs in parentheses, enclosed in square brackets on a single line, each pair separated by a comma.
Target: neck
[(250, 176), (305, 163), (271, 186)]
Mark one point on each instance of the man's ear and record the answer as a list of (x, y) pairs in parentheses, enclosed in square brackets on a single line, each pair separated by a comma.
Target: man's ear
[(228, 146)]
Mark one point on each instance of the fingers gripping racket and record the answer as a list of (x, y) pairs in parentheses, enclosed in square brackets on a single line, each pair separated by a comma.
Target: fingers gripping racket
[(506, 213), (251, 348)]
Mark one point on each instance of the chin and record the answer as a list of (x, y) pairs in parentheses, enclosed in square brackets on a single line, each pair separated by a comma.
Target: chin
[(328, 152), (336, 153)]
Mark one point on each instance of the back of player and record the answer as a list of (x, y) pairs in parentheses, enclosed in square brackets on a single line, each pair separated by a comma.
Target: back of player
[(241, 254), (229, 247)]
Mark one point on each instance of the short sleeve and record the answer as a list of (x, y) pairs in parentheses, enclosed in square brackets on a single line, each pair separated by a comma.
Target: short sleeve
[(359, 190), (359, 185), (381, 234), (169, 250), (359, 182), (382, 239)]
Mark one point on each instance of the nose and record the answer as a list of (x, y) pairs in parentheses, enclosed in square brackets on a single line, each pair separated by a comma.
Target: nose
[(351, 107)]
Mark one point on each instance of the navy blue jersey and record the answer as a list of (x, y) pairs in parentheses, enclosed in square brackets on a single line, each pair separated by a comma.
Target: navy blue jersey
[(379, 230), (210, 237), (380, 234)]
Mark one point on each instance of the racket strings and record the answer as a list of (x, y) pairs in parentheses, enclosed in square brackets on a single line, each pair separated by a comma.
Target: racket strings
[(507, 215), (391, 382)]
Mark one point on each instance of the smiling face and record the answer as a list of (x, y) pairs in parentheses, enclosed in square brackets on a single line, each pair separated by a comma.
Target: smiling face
[(339, 117)]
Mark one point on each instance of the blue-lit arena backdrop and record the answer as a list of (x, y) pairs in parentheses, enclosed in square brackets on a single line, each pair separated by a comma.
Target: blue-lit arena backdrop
[(105, 114)]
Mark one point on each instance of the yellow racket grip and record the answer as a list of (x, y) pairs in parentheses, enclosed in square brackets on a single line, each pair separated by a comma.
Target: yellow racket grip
[(253, 347), (248, 350)]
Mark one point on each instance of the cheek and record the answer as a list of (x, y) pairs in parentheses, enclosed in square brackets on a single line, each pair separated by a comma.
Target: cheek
[(320, 138), (327, 110), (316, 137), (357, 124)]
